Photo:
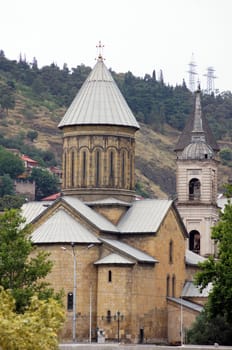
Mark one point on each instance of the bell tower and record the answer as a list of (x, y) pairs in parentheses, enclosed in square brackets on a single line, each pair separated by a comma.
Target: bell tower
[(196, 179)]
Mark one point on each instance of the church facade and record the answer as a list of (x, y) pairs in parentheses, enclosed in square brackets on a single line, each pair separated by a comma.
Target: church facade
[(122, 263)]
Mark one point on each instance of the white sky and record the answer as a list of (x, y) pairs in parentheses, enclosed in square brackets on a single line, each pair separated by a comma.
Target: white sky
[(138, 35)]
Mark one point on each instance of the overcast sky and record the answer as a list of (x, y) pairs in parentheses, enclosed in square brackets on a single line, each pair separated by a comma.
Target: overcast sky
[(138, 35)]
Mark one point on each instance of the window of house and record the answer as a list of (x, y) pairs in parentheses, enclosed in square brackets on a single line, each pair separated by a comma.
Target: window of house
[(168, 286), (170, 252), (109, 276), (173, 285), (70, 301), (108, 316)]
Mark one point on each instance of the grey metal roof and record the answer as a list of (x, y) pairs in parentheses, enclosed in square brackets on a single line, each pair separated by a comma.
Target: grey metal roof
[(31, 210), (108, 201), (96, 219), (197, 151), (61, 228), (187, 304), (144, 216), (192, 258), (192, 291), (130, 251), (99, 101), (115, 259)]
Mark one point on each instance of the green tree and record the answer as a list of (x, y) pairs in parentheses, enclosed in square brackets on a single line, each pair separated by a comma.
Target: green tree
[(21, 272), (6, 185), (32, 135), (208, 331), (11, 202), (7, 96), (10, 164), (45, 183), (219, 270), (37, 328)]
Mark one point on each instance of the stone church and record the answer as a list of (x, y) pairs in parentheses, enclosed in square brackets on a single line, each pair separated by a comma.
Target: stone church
[(125, 265)]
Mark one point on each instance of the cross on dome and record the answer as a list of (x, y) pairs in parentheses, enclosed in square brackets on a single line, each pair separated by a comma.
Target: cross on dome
[(100, 50)]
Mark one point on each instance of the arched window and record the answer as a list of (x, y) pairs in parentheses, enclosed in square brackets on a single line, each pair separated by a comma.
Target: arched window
[(194, 189), (123, 169), (109, 276), (194, 241), (171, 252), (111, 168), (173, 285), (70, 301), (84, 168), (72, 168), (168, 286), (97, 179)]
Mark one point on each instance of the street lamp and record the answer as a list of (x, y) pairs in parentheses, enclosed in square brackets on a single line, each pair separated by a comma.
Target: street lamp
[(75, 289), (118, 317)]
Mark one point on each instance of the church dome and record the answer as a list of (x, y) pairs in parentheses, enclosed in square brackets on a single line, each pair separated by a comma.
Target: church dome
[(198, 151)]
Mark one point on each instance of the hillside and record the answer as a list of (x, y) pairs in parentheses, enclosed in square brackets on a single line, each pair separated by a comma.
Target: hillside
[(155, 159), (34, 100)]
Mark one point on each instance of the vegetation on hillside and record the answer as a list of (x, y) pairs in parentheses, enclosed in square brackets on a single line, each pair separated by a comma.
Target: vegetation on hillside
[(41, 95)]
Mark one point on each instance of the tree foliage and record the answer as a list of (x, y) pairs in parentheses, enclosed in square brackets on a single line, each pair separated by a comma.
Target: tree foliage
[(11, 202), (218, 271), (152, 101), (6, 185), (21, 272), (36, 328), (10, 164), (45, 183), (208, 331)]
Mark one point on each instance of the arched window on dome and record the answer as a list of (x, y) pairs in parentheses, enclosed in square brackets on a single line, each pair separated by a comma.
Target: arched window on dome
[(123, 169), (111, 169), (98, 167), (194, 189), (194, 241), (84, 168), (72, 168)]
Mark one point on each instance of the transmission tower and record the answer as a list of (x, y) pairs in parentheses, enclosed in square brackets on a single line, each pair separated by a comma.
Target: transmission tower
[(210, 80), (192, 72)]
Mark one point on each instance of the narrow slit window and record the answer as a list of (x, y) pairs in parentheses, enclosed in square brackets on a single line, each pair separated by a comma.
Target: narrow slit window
[(109, 276)]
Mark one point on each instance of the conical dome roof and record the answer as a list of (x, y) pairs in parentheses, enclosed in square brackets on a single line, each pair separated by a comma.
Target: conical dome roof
[(99, 101)]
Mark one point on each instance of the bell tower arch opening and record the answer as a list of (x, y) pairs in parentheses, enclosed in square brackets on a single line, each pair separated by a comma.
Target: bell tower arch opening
[(194, 241), (194, 189)]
